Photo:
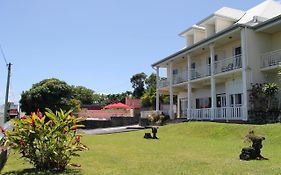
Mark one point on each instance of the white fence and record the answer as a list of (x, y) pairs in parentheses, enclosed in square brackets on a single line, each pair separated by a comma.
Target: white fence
[(271, 58)]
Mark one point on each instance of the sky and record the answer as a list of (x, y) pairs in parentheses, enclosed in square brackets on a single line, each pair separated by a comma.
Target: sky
[(98, 44)]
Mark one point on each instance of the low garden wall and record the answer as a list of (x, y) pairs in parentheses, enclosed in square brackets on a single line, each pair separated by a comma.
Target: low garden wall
[(113, 122)]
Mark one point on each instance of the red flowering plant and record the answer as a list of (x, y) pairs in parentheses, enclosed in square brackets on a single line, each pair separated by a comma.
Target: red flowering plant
[(48, 141)]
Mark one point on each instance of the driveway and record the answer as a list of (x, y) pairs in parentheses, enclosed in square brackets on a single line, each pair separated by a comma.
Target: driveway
[(111, 130)]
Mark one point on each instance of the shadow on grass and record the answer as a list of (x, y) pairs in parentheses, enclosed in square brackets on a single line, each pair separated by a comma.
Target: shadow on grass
[(33, 171)]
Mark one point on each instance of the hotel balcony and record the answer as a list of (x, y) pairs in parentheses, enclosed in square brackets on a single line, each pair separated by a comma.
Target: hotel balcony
[(271, 60), (200, 72), (180, 78), (163, 83), (228, 64)]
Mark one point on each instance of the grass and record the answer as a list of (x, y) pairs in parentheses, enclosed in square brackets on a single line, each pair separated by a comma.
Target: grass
[(186, 148)]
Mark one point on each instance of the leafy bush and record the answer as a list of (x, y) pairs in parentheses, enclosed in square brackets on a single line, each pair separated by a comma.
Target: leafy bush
[(157, 119), (48, 141)]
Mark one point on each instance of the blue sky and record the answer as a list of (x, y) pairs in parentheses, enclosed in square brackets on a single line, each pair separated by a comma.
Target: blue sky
[(98, 44)]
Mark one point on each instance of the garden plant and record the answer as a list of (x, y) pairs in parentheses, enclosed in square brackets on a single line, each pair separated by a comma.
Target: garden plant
[(47, 141)]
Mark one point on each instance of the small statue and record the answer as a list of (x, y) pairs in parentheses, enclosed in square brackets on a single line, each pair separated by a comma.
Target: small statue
[(154, 131), (148, 135), (253, 152)]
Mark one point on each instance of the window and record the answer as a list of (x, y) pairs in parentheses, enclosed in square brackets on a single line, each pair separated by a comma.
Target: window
[(209, 59), (192, 66), (237, 51), (175, 71), (235, 100), (203, 102)]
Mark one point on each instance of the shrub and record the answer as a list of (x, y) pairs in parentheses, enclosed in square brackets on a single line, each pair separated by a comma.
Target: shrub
[(49, 141), (157, 119)]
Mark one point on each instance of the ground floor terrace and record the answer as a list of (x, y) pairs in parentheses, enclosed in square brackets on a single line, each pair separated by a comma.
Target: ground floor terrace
[(210, 98)]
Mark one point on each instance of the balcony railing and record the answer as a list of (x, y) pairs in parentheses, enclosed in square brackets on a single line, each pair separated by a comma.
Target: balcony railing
[(200, 72), (271, 58), (163, 83), (201, 114), (222, 113), (228, 64), (180, 78)]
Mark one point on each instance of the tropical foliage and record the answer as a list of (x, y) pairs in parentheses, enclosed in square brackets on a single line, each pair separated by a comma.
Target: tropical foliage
[(55, 94), (47, 141)]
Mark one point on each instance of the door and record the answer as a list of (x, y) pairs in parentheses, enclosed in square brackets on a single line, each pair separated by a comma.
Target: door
[(183, 107), (221, 104)]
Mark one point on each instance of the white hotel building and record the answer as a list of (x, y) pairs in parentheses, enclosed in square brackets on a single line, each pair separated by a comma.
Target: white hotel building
[(225, 53)]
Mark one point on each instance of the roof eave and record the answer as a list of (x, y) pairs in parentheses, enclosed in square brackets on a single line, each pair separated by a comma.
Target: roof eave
[(199, 43)]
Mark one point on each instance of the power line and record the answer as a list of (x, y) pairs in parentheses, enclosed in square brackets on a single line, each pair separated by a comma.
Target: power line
[(3, 55)]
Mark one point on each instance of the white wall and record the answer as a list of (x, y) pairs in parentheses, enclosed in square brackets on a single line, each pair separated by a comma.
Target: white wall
[(257, 43), (226, 51), (234, 86), (221, 24), (198, 35), (276, 41), (210, 30)]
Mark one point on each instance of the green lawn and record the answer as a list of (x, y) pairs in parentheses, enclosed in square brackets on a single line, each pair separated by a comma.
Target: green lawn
[(186, 148)]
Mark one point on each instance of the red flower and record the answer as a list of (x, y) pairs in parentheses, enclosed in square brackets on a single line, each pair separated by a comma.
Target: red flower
[(77, 140), (39, 114), (32, 124), (22, 142)]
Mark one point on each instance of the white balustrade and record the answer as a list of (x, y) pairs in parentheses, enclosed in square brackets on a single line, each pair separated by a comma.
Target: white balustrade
[(271, 58), (180, 77), (163, 83), (222, 113), (200, 72), (228, 64), (201, 114)]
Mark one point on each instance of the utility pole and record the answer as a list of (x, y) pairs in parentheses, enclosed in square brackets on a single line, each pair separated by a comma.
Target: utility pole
[(7, 93)]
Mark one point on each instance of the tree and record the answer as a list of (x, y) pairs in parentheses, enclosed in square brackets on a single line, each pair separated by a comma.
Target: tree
[(138, 82), (270, 90), (150, 81), (83, 94), (49, 93)]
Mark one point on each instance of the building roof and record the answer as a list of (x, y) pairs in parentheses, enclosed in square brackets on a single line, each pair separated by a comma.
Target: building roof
[(206, 40), (268, 11)]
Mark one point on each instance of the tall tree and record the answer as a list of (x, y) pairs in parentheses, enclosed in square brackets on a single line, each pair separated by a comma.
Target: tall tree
[(150, 81), (49, 93), (138, 82), (83, 94)]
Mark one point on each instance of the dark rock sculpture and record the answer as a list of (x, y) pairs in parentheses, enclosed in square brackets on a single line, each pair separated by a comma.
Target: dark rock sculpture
[(154, 132), (254, 151), (147, 136)]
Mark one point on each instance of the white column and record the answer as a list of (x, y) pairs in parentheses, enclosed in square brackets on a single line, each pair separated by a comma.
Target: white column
[(189, 101), (213, 81), (244, 71), (157, 89), (171, 111)]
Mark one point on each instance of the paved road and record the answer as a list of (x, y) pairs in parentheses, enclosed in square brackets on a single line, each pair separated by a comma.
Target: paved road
[(111, 130)]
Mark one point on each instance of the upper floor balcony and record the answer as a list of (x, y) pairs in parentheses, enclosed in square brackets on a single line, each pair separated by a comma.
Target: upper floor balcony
[(163, 82), (271, 59), (200, 72), (228, 64), (180, 77)]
